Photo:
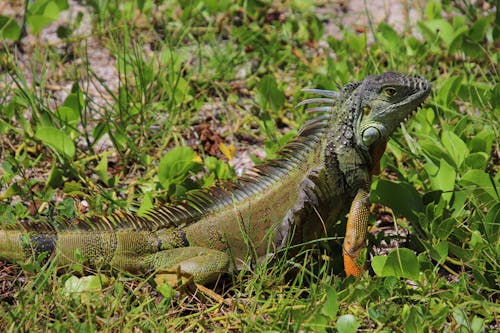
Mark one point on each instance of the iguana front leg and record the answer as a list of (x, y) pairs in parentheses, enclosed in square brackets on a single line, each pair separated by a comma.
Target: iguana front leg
[(355, 235), (204, 265)]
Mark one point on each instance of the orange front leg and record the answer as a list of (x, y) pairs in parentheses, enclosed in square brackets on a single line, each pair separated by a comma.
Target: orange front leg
[(355, 235)]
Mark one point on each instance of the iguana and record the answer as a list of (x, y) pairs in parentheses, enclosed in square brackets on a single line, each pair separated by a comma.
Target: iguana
[(293, 199)]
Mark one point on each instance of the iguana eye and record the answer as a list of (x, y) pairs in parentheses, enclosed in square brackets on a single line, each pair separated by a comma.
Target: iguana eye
[(370, 135), (390, 91)]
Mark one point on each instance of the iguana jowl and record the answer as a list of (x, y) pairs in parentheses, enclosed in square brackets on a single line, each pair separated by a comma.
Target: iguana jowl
[(325, 170)]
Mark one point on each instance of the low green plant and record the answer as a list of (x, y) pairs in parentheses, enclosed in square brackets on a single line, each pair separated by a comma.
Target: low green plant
[(37, 15)]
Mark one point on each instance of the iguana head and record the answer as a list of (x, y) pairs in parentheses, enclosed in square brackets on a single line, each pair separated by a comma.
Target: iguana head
[(364, 114), (384, 101)]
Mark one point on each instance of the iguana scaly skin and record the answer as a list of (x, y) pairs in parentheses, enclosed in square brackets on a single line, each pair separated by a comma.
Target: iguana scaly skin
[(325, 170)]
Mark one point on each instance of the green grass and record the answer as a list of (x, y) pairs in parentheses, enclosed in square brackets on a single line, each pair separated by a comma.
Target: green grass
[(69, 149)]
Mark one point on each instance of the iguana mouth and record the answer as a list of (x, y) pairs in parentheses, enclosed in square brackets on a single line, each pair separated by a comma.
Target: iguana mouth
[(421, 91)]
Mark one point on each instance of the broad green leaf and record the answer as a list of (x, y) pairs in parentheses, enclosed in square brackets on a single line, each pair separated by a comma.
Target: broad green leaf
[(442, 178), (456, 43), (439, 252), (208, 180), (448, 89), (433, 151), (355, 43), (430, 36), (38, 22), (441, 28), (476, 161), (170, 57), (268, 126), (460, 316), (477, 324), (73, 187), (101, 169), (37, 7), (481, 182), (472, 49), (441, 229), (219, 168), (390, 282), (462, 126), (166, 290), (51, 10), (147, 203), (403, 198), (400, 262), (476, 240), (119, 138), (414, 320), (331, 306), (464, 254), (57, 140), (456, 148), (433, 10), (175, 166), (75, 100), (68, 115), (314, 319), (459, 207), (376, 314), (85, 284), (492, 225), (181, 90), (390, 36), (347, 324), (66, 208), (483, 141), (99, 130), (269, 95), (425, 119), (9, 28), (55, 177), (42, 12), (438, 307), (413, 46), (5, 126), (432, 196), (478, 30)]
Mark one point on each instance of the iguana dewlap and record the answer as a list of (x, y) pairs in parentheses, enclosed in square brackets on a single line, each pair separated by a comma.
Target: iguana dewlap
[(322, 174)]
